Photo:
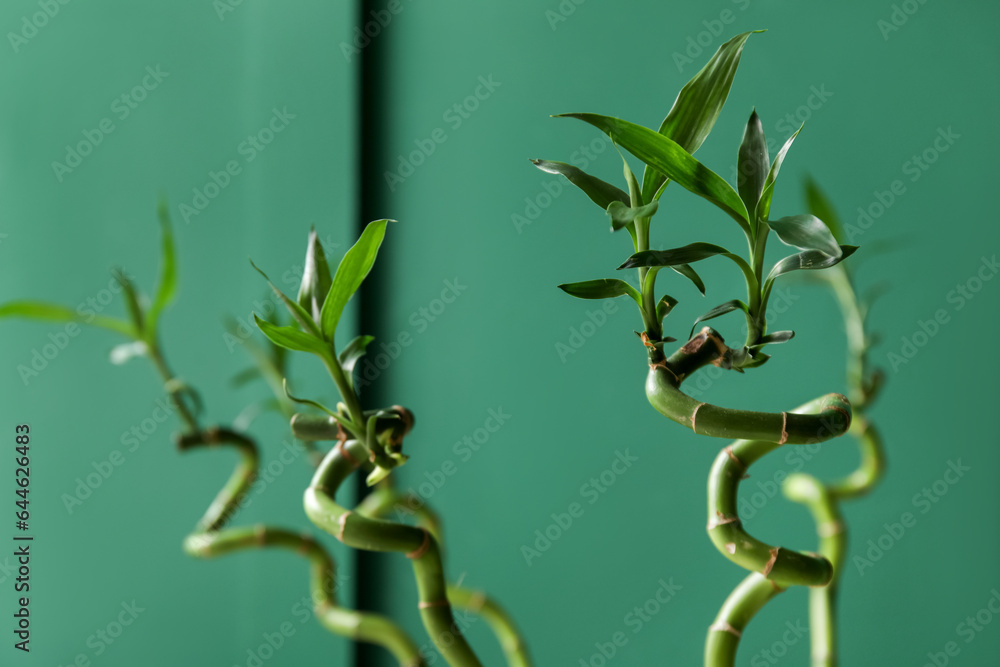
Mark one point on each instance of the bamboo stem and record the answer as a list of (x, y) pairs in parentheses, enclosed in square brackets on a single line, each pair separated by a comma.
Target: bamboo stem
[(358, 531), (210, 540)]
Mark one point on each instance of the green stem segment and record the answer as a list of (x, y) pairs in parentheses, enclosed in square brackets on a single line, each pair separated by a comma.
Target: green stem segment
[(823, 499), (758, 434), (210, 540), (739, 608), (358, 531), (515, 649)]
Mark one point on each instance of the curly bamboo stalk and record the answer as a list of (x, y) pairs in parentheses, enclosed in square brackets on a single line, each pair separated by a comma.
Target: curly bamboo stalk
[(358, 531), (823, 499), (210, 540), (759, 433), (385, 499)]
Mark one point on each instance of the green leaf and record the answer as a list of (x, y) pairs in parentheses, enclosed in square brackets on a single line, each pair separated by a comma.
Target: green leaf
[(806, 232), (665, 305), (38, 310), (820, 206), (604, 288), (167, 288), (672, 160), (721, 309), (764, 205), (600, 192), (353, 352), (316, 279), (296, 310), (132, 301), (776, 337), (293, 339), (692, 275), (623, 216), (693, 252), (698, 105), (306, 401), (752, 164), (809, 259), (353, 269)]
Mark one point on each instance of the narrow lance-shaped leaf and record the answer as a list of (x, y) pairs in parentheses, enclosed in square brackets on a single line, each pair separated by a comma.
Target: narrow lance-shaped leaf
[(604, 288), (809, 259), (820, 206), (672, 160), (752, 165), (806, 232), (764, 205), (353, 269), (692, 275), (623, 216), (721, 309), (351, 354), (698, 105), (297, 311), (38, 310), (292, 338), (776, 337), (167, 287), (664, 306), (306, 401), (600, 192), (693, 252), (316, 279)]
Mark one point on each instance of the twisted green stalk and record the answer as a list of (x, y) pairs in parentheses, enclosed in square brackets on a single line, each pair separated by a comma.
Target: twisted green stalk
[(759, 433), (418, 544), (209, 540), (385, 499), (823, 499)]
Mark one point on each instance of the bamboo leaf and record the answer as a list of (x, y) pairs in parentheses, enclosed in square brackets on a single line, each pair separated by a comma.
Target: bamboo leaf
[(38, 310), (752, 165), (623, 216), (721, 309), (351, 354), (693, 252), (353, 269), (672, 160), (764, 205), (806, 232), (604, 288), (296, 310), (599, 192), (809, 259), (316, 279), (665, 305), (692, 275), (293, 339), (698, 105), (166, 290), (306, 401)]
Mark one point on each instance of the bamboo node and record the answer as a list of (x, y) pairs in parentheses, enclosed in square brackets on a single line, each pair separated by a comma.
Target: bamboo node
[(422, 549), (435, 603), (694, 416), (784, 428), (722, 626), (342, 521), (769, 565)]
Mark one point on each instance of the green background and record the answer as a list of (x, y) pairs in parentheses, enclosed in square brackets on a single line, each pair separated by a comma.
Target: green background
[(496, 346)]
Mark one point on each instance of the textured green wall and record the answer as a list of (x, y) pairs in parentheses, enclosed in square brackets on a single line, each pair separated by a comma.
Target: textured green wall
[(497, 344), (225, 76), (473, 288)]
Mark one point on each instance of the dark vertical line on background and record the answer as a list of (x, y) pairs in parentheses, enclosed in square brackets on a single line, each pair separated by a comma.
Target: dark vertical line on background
[(369, 98)]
